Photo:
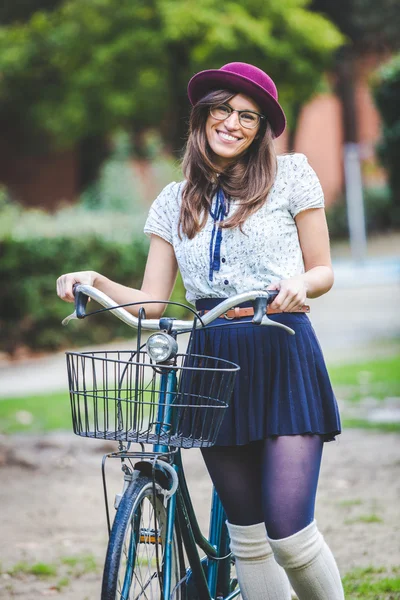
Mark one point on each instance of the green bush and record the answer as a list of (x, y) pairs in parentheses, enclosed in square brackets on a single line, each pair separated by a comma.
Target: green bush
[(380, 213), (30, 311)]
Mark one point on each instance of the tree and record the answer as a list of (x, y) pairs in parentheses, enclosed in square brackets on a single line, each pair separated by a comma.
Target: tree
[(85, 67), (22, 10), (369, 26), (387, 96)]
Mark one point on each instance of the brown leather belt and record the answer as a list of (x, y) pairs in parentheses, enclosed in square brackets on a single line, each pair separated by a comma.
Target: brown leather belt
[(237, 312)]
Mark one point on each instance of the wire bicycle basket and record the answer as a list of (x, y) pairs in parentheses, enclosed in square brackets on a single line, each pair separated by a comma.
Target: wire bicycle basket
[(123, 396)]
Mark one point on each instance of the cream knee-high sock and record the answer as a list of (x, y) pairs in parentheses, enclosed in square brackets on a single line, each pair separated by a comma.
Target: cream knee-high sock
[(259, 575), (309, 564)]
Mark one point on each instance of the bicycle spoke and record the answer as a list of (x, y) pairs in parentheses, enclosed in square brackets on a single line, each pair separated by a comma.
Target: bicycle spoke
[(135, 562), (139, 572)]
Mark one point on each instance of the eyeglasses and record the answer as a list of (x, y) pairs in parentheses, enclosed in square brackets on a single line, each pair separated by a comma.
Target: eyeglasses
[(247, 118)]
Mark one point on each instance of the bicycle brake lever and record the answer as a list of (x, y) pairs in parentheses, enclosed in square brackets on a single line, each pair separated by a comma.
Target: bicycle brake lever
[(69, 318), (80, 305), (267, 321)]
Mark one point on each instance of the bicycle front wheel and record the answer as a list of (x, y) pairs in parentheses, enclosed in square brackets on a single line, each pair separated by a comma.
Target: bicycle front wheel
[(135, 562)]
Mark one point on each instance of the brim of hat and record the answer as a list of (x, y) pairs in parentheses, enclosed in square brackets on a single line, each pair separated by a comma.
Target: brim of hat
[(214, 79)]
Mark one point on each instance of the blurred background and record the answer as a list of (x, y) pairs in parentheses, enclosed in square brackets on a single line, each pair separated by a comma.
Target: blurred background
[(94, 113), (93, 120)]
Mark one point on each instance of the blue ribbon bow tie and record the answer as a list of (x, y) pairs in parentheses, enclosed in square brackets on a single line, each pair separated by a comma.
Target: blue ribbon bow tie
[(220, 212)]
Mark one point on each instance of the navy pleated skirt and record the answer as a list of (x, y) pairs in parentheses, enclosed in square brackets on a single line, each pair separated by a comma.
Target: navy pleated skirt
[(283, 386)]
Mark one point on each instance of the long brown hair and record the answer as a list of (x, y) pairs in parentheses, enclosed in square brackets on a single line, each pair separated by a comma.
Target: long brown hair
[(247, 180)]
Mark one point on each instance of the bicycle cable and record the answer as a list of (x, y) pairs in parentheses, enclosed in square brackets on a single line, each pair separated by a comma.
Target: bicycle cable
[(127, 304)]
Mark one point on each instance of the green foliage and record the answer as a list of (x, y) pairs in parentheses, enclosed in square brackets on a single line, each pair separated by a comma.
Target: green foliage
[(381, 213), (386, 89), (118, 189), (377, 24), (30, 311), (367, 24), (103, 233), (73, 221), (88, 66)]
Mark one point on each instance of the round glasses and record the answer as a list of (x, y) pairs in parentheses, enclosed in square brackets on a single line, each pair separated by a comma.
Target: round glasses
[(247, 118)]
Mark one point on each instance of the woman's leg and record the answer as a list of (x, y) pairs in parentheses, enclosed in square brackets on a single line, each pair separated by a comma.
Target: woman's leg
[(290, 468), (236, 474)]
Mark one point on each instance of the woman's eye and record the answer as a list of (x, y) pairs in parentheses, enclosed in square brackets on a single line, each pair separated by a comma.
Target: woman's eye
[(249, 117), (222, 110)]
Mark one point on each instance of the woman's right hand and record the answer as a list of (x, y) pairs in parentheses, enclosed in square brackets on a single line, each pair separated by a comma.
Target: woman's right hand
[(66, 282)]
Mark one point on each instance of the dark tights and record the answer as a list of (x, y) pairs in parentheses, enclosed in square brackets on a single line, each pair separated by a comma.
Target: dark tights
[(273, 480)]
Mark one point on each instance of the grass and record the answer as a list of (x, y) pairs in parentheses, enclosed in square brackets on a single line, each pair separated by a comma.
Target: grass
[(67, 569), (364, 424), (372, 518), (374, 379), (372, 583), (80, 565), (35, 413), (45, 412), (379, 378), (349, 503), (62, 583), (38, 569)]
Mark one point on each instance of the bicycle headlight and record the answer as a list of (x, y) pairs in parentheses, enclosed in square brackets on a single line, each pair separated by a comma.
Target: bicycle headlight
[(161, 346)]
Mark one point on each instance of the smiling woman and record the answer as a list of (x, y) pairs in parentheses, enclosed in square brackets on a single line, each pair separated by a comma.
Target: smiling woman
[(244, 219)]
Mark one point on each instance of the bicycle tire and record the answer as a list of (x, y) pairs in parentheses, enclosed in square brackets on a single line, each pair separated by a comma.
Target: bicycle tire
[(130, 570)]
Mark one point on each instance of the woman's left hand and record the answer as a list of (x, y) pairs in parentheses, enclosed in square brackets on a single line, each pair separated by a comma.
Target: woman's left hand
[(292, 294)]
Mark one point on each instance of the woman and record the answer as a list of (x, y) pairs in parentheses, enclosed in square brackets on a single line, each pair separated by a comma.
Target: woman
[(241, 220)]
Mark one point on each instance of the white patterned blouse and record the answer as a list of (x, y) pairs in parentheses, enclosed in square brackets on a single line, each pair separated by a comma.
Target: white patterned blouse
[(266, 251)]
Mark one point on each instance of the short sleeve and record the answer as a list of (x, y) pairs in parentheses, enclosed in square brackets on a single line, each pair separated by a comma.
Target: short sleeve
[(306, 190), (162, 212)]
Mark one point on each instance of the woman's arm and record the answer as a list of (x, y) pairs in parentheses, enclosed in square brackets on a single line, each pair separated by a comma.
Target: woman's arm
[(318, 277), (158, 282)]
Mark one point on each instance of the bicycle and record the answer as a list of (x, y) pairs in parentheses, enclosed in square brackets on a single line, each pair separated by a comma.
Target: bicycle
[(154, 395)]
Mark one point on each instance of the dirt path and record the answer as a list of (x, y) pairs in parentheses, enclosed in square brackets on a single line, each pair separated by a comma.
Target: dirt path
[(52, 509)]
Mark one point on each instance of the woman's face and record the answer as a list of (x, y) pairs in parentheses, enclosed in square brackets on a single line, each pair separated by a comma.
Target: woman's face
[(228, 139)]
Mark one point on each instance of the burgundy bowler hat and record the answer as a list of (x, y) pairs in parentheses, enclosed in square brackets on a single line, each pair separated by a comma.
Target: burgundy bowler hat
[(241, 78)]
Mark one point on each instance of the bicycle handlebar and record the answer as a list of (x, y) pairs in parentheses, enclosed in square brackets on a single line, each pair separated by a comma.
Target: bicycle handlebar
[(83, 292)]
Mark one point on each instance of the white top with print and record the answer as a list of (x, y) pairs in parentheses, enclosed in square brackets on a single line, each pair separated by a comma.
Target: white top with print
[(267, 249)]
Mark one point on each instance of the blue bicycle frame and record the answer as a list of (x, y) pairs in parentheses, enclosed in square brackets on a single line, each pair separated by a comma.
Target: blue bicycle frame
[(203, 575)]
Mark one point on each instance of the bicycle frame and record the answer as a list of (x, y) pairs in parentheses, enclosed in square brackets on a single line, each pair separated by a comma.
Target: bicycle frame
[(206, 572)]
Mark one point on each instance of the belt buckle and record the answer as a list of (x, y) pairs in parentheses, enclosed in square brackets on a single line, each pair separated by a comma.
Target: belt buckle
[(225, 315)]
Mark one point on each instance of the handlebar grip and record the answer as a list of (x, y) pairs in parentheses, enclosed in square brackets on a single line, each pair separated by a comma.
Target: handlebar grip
[(260, 306), (81, 301)]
